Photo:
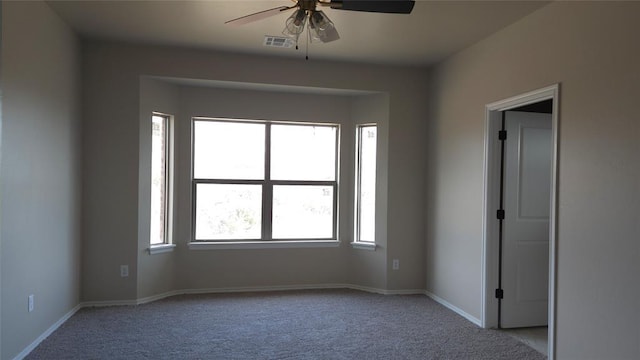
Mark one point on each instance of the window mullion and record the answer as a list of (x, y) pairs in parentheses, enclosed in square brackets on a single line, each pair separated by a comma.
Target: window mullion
[(359, 175), (168, 180), (304, 182), (335, 210), (357, 183), (267, 188), (336, 195), (303, 204), (193, 181), (160, 179)]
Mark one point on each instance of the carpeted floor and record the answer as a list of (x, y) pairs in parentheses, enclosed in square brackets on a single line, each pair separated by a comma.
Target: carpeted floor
[(316, 324)]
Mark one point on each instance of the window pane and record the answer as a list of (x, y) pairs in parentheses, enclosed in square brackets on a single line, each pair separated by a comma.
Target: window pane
[(228, 150), (303, 152), (228, 211), (367, 182), (302, 212), (158, 179)]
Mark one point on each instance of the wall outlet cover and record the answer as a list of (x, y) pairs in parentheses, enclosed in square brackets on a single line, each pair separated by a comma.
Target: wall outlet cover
[(124, 270)]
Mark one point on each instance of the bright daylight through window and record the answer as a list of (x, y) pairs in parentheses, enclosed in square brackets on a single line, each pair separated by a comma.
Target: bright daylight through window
[(365, 206), (160, 180), (255, 180)]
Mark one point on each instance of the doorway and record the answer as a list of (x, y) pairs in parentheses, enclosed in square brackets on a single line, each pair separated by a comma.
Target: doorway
[(494, 170)]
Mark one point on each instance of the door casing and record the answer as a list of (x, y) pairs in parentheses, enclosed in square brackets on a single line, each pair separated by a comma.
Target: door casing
[(489, 316)]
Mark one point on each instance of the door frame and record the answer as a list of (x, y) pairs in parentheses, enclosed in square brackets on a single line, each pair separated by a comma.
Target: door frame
[(489, 316)]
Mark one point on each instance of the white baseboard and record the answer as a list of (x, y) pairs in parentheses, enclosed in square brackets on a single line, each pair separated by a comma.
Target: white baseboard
[(262, 289), (134, 302), (386, 292), (405, 292), (152, 298), (108, 303), (367, 289), (301, 287), (47, 332), (157, 297), (453, 308), (167, 294)]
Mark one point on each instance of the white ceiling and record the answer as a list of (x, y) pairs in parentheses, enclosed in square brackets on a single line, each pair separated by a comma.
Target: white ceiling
[(433, 31)]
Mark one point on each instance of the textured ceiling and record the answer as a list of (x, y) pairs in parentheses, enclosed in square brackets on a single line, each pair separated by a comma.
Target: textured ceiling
[(433, 31)]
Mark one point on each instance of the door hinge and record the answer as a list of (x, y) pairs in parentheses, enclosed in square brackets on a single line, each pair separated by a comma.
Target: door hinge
[(500, 214), (499, 294), (502, 135)]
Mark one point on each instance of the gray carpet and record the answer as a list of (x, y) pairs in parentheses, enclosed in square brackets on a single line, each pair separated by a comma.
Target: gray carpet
[(317, 324)]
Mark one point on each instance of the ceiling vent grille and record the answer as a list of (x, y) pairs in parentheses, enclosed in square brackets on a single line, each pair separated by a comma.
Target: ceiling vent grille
[(278, 41)]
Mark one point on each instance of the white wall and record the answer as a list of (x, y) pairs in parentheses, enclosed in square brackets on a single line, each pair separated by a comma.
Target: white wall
[(591, 48), (112, 178), (39, 172)]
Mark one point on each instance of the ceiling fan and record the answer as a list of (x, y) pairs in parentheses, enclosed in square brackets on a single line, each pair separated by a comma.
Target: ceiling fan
[(320, 27)]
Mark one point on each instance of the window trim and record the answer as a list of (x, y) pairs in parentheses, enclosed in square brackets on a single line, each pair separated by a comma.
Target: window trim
[(161, 248), (261, 244), (267, 192), (358, 242), (364, 245), (168, 191)]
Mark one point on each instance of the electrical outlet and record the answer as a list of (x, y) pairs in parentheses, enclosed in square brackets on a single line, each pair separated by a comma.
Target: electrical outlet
[(30, 303), (124, 270), (395, 264)]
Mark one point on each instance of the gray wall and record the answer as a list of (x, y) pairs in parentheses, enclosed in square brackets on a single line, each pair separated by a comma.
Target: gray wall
[(112, 177), (369, 268), (592, 49), (39, 172), (1, 87), (156, 274), (234, 268), (265, 267)]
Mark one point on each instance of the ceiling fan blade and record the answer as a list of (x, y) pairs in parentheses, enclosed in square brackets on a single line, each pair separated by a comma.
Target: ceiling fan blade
[(258, 16), (380, 6)]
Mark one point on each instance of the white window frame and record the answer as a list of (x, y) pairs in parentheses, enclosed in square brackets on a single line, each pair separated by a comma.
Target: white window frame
[(267, 193), (358, 242), (167, 243)]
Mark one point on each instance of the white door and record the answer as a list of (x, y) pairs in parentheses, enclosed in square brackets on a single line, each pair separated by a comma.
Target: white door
[(527, 197)]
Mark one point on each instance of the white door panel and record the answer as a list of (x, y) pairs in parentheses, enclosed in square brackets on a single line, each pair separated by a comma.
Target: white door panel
[(527, 189), (535, 172)]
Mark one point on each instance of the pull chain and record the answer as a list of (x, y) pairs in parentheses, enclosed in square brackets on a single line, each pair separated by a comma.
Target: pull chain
[(307, 53)]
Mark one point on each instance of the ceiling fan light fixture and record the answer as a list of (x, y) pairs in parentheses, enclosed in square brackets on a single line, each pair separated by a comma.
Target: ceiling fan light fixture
[(295, 24), (321, 28)]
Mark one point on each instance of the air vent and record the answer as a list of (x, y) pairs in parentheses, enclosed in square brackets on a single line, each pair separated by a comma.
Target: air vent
[(278, 41)]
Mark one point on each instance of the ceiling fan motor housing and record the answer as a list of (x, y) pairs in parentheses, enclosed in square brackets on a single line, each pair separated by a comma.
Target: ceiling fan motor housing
[(381, 6), (307, 5)]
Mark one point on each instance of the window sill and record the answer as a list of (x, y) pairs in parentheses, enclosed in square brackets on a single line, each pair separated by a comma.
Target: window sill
[(263, 245), (161, 248), (364, 245)]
